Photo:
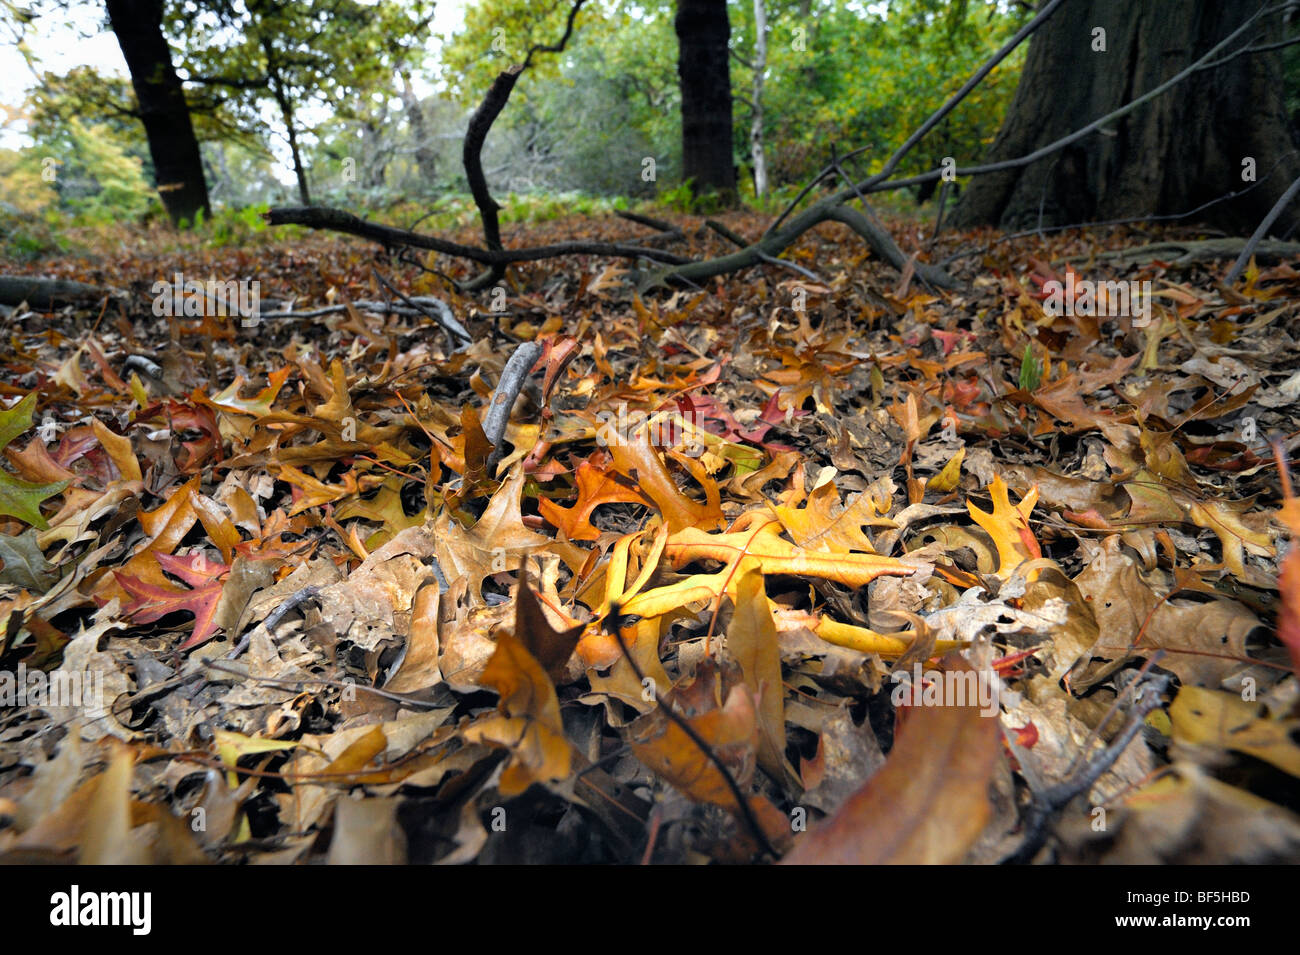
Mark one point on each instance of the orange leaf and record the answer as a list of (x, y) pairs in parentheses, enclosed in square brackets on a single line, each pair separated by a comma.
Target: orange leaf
[(1009, 528), (597, 484), (637, 460)]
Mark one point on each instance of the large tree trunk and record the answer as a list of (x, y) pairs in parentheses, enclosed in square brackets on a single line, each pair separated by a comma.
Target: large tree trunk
[(705, 73), (178, 167), (1184, 148)]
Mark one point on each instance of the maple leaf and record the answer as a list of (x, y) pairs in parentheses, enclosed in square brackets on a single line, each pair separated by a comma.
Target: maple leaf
[(153, 601), (1009, 528), (259, 406), (497, 540), (18, 498), (598, 484), (22, 499)]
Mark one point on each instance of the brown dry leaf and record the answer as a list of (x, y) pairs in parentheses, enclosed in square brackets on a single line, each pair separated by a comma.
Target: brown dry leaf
[(496, 541), (621, 680), (550, 646), (1206, 642), (730, 730), (119, 451), (816, 526), (1186, 818), (106, 838), (528, 723), (372, 604), (929, 802), (419, 668), (1224, 518), (366, 832)]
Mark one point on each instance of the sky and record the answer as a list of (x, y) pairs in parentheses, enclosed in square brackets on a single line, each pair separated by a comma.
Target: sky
[(64, 40)]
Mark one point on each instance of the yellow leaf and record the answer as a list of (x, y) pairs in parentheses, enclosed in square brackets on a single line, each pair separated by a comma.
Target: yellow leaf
[(1213, 718), (1009, 528), (947, 479)]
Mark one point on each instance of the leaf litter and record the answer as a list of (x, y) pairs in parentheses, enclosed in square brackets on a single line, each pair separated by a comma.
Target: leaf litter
[(701, 593)]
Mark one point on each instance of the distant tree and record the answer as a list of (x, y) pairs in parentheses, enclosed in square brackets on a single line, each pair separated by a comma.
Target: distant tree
[(300, 56), (177, 163), (704, 68)]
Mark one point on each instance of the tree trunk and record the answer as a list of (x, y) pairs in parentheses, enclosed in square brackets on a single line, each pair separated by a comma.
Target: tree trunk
[(426, 160), (372, 143), (705, 73), (1184, 148), (178, 167), (756, 122)]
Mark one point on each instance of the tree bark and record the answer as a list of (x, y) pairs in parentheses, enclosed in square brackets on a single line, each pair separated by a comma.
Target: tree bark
[(173, 147), (756, 121), (1183, 149), (426, 160), (704, 70)]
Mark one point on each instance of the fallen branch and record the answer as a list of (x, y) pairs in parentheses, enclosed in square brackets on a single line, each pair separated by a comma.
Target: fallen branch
[(42, 294), (337, 220), (667, 228), (503, 396), (456, 333), (1203, 250), (1047, 801), (1257, 236)]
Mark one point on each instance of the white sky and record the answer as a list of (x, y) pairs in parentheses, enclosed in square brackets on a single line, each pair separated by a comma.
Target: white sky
[(63, 40)]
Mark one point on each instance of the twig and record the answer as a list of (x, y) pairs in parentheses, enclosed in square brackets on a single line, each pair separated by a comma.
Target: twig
[(746, 811), (876, 184), (935, 118), (274, 617), (733, 237), (507, 390), (1049, 801), (1257, 236), (338, 220), (456, 333), (665, 227)]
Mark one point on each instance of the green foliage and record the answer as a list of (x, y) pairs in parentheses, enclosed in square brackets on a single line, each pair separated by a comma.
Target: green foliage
[(1031, 369), (583, 123), (498, 34), (87, 171), (854, 79), (236, 226), (839, 73), (22, 499)]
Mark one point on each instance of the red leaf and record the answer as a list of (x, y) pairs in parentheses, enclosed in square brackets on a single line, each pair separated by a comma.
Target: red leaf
[(153, 602)]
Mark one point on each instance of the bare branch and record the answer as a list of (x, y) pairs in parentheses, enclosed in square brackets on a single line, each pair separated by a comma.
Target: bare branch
[(1243, 260)]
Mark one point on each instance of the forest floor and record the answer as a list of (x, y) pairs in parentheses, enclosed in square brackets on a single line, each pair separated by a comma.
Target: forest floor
[(833, 570)]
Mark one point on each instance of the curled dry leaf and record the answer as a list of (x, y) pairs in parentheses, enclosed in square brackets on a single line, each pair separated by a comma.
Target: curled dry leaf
[(926, 805)]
